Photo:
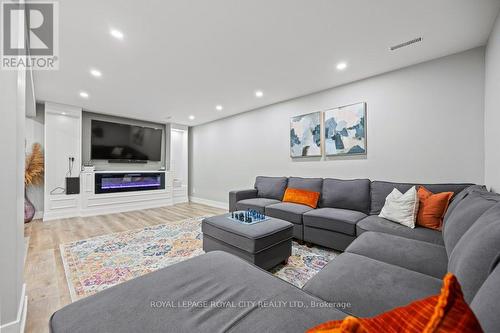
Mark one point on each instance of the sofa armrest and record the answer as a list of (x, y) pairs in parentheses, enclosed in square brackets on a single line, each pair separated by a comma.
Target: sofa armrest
[(235, 196)]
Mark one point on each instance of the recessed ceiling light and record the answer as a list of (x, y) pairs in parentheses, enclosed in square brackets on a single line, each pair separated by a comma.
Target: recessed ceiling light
[(259, 94), (63, 113), (116, 33), (84, 94), (341, 66), (219, 107), (191, 117), (95, 72)]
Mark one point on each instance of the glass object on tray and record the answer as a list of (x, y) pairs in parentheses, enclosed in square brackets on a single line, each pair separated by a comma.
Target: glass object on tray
[(249, 216)]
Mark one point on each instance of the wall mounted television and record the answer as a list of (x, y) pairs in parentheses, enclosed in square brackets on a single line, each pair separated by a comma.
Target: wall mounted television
[(123, 143)]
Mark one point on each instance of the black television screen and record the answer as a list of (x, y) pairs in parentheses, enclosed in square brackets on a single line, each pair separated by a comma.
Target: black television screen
[(114, 141)]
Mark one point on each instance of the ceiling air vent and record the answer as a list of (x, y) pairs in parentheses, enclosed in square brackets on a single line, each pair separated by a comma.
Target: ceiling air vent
[(404, 44)]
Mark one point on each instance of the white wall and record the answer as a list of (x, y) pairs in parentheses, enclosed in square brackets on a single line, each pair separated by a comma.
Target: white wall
[(492, 109), (12, 111), (424, 124)]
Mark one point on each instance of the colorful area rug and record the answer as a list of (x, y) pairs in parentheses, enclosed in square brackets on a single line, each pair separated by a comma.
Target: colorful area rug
[(94, 264)]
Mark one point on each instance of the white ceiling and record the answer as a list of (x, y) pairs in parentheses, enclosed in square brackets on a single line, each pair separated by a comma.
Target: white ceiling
[(184, 57)]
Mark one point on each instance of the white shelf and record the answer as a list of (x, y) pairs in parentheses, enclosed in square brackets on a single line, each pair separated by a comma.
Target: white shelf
[(179, 162), (62, 140)]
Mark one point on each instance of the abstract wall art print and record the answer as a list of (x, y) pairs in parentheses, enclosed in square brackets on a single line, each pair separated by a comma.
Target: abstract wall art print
[(345, 130), (305, 135)]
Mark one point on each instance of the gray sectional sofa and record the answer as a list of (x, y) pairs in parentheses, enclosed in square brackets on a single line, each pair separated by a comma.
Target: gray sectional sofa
[(346, 209), (378, 271)]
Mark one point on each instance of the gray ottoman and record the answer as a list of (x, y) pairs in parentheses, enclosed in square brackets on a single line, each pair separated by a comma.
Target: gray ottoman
[(265, 244)]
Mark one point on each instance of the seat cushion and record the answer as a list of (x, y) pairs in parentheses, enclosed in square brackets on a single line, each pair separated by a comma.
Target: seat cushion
[(250, 238), (287, 211), (334, 219), (379, 224), (370, 286), (380, 190), (465, 214), (190, 297), (346, 194), (477, 252), (415, 255), (256, 203), (485, 300), (270, 187)]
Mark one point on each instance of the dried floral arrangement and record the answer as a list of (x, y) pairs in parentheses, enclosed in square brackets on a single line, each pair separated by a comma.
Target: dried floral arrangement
[(33, 174)]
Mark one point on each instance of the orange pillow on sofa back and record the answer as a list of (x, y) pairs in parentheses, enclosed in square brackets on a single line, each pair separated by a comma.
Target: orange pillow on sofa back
[(432, 208), (444, 313), (308, 198)]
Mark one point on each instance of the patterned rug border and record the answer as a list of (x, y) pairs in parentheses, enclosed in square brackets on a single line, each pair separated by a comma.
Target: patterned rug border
[(72, 292), (71, 287)]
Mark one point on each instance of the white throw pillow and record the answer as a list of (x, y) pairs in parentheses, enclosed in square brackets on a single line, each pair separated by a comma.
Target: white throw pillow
[(401, 208)]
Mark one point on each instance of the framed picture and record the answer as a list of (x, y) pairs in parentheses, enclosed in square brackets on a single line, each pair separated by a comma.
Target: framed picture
[(305, 135), (345, 130)]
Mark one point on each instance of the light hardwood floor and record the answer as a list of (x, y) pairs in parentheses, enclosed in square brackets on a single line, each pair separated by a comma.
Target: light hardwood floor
[(46, 285)]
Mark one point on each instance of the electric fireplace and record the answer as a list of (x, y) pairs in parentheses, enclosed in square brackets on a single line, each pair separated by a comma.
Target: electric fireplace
[(127, 182)]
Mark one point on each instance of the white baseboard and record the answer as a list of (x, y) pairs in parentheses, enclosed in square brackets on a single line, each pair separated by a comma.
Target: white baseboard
[(212, 203), (18, 325), (178, 200), (38, 215), (60, 215)]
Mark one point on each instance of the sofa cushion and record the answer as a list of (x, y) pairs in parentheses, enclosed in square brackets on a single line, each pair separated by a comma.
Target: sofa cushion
[(415, 255), (287, 211), (486, 300), (380, 190), (371, 286), (477, 252), (459, 197), (334, 219), (465, 214), (346, 194), (208, 282), (270, 187), (379, 224), (258, 204), (308, 184)]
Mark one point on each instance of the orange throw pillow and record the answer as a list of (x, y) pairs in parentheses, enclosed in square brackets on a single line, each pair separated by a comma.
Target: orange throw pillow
[(444, 313), (308, 198), (432, 208)]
